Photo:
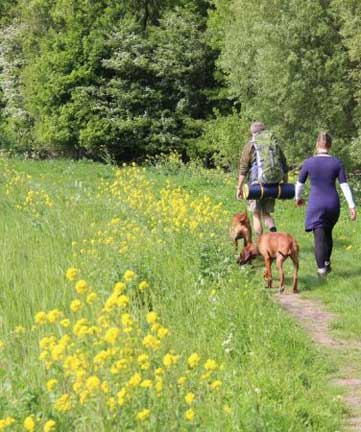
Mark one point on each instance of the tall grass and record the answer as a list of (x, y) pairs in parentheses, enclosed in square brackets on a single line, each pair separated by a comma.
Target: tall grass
[(168, 224)]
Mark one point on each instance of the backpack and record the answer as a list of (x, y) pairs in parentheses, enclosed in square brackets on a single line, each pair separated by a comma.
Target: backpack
[(268, 157)]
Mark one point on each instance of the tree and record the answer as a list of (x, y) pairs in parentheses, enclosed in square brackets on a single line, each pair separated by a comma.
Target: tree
[(286, 63)]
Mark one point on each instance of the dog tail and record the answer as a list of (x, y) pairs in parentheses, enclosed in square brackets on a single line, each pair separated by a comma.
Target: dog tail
[(291, 249), (284, 255)]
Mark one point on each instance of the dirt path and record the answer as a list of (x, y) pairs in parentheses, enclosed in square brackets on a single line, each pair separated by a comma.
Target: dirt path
[(313, 317)]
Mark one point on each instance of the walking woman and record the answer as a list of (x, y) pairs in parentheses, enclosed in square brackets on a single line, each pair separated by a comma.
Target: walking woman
[(323, 209)]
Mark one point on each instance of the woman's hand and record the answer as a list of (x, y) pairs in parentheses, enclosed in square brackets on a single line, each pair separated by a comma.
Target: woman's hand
[(353, 214), (300, 202)]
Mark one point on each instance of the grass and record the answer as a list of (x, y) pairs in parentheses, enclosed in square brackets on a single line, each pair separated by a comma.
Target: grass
[(272, 378)]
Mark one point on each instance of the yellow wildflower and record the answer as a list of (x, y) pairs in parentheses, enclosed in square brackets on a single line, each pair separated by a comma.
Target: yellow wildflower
[(121, 395), (143, 285), (123, 301), (5, 422), (119, 287), (41, 318), (135, 379), (143, 360), (105, 387), (83, 397), (63, 403), (143, 415), (75, 305), (181, 380), (71, 273), (162, 332), (101, 357), (81, 327), (118, 366), (65, 323), (189, 398), (159, 385), (210, 365), (2, 344), (29, 423), (19, 330), (227, 409), (49, 426), (146, 383), (54, 315), (92, 383), (215, 385), (91, 298), (111, 403), (152, 342), (51, 384), (193, 360), (81, 287), (126, 320), (189, 414), (170, 360), (112, 335), (152, 317), (129, 275), (206, 375), (77, 386), (155, 327)]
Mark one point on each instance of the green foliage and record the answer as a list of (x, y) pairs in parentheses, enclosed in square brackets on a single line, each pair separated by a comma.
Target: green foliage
[(222, 139), (139, 77), (286, 63), (129, 77)]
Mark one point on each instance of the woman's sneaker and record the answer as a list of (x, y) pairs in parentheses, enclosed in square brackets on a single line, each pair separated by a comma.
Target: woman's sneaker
[(328, 267), (322, 273)]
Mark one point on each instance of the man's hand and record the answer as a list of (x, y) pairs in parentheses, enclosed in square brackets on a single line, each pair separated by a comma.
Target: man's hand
[(239, 193), (300, 202), (353, 214)]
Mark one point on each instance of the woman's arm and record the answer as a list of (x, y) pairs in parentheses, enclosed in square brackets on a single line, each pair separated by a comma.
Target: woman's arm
[(300, 185), (346, 190)]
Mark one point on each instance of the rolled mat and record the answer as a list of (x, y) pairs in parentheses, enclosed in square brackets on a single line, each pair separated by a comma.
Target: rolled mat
[(275, 190)]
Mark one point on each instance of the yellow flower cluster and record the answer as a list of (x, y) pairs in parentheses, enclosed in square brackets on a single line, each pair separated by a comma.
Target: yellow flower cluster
[(174, 209), (141, 207), (119, 356), (107, 352), (35, 200)]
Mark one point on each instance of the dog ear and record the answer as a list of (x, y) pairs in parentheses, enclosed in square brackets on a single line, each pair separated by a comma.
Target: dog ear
[(244, 256), (244, 216)]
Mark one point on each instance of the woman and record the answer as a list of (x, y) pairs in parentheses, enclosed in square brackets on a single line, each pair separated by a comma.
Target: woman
[(323, 208)]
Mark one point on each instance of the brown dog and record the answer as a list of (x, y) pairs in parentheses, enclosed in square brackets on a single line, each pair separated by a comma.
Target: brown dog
[(240, 229), (272, 246)]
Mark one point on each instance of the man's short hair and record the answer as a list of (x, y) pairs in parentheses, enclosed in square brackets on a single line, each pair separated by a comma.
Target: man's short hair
[(257, 127)]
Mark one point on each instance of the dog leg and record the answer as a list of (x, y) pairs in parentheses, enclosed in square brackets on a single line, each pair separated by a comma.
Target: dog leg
[(294, 258), (268, 271), (235, 242), (279, 263)]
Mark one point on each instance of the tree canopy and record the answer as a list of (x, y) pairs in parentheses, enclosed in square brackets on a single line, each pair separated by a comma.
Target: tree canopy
[(136, 78)]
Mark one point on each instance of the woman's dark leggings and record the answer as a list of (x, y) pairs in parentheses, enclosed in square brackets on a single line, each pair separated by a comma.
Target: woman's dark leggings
[(323, 245)]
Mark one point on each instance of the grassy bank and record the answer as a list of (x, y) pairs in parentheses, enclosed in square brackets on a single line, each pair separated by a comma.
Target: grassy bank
[(218, 354)]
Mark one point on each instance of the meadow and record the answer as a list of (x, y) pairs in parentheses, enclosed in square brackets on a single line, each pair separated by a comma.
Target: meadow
[(122, 307)]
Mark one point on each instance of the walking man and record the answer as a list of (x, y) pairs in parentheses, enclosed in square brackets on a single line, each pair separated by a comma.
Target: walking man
[(261, 155)]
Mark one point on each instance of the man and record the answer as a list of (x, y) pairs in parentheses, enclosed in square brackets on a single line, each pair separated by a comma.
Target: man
[(262, 208)]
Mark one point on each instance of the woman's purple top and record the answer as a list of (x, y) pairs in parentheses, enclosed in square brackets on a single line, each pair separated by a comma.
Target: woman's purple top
[(323, 208)]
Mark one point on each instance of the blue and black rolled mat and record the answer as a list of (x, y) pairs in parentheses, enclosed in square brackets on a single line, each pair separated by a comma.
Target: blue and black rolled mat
[(275, 190)]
